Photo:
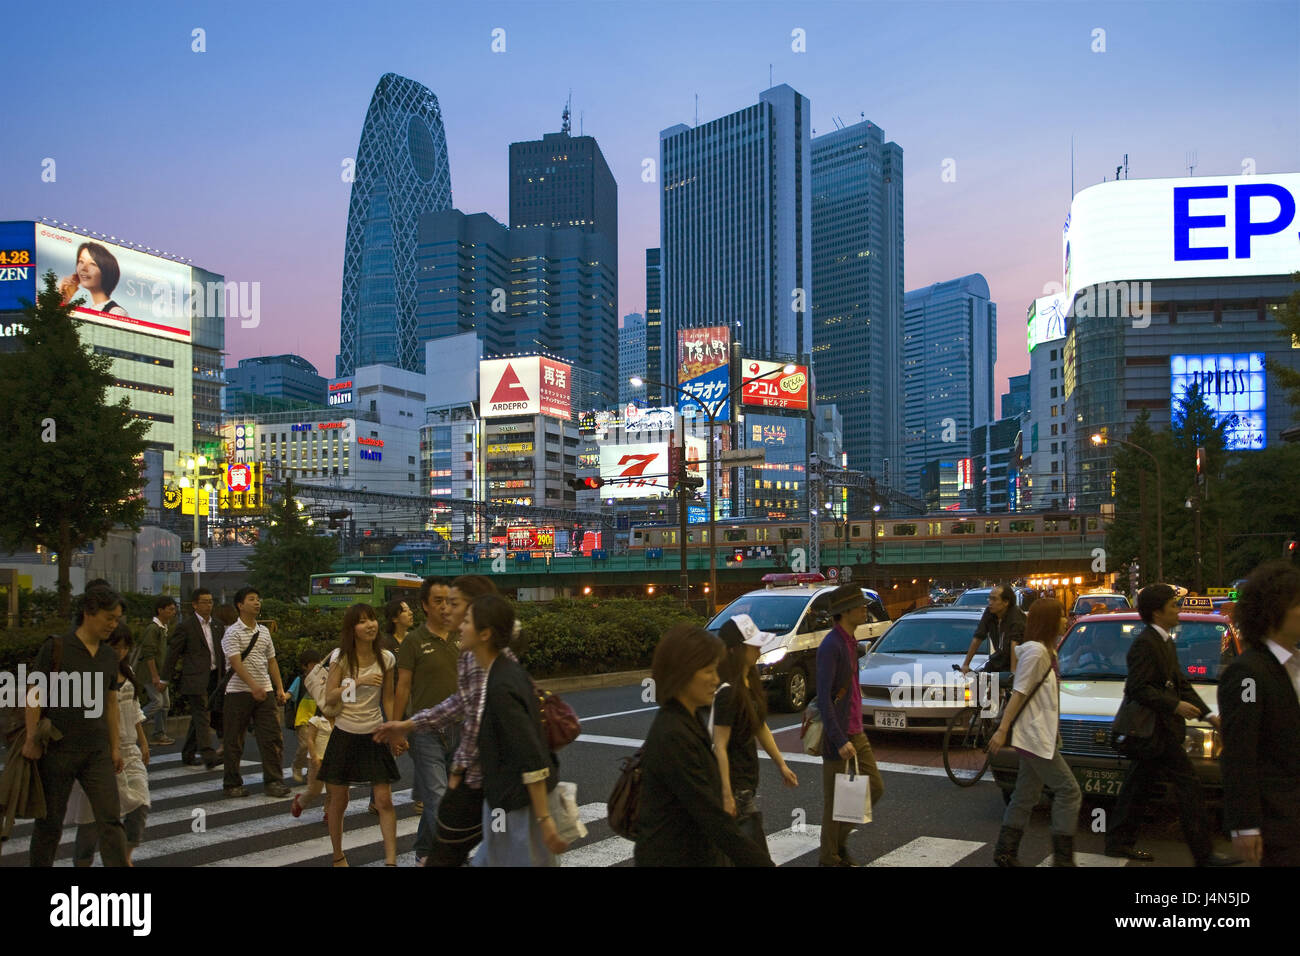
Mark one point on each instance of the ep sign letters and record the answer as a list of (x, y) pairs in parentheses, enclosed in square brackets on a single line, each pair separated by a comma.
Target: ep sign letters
[(1244, 226)]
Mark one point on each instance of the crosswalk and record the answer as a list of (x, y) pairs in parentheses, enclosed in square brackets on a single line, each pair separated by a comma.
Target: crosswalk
[(192, 824)]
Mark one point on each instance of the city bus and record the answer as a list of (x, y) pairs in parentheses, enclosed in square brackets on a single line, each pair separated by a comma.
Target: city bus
[(346, 588)]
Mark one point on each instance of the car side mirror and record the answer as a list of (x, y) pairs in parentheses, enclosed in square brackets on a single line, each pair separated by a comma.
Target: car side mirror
[(862, 649)]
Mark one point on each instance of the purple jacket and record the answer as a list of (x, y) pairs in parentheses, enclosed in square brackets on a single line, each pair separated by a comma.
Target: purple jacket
[(837, 677)]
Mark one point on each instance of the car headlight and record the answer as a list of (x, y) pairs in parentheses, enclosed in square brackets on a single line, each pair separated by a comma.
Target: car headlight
[(1203, 743), (771, 657)]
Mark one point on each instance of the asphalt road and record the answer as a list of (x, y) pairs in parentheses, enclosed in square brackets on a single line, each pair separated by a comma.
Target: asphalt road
[(923, 819)]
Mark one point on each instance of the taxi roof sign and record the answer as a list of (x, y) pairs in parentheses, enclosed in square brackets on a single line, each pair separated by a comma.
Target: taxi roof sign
[(1221, 592), (1196, 604)]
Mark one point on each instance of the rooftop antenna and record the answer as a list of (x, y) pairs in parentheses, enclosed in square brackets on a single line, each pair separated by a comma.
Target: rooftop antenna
[(582, 116), (769, 76), (566, 125), (1191, 162), (1126, 165), (697, 109)]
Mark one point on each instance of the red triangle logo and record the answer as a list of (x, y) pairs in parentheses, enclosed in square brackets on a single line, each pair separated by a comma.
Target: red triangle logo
[(510, 389)]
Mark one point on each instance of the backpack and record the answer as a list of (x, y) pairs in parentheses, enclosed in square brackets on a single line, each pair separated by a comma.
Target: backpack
[(12, 721), (625, 797)]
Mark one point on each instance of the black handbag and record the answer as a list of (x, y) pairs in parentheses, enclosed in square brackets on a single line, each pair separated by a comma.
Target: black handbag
[(217, 702), (1133, 732)]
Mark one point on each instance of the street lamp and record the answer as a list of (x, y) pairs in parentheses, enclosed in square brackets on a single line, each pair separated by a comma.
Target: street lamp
[(637, 381), (196, 464), (1099, 440)]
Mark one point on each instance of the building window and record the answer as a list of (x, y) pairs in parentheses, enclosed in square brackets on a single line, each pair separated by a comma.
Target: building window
[(1053, 372), (1053, 391), (1054, 429)]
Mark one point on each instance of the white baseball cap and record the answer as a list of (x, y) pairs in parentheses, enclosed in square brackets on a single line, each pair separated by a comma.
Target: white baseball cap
[(741, 629)]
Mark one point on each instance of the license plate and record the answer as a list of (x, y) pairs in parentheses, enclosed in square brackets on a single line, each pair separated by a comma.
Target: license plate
[(1102, 783), (894, 719)]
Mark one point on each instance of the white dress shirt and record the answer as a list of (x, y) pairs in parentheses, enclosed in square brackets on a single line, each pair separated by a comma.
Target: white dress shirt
[(207, 636)]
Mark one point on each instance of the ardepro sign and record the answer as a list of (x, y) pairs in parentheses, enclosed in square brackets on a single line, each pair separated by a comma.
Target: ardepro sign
[(530, 385), (1202, 227)]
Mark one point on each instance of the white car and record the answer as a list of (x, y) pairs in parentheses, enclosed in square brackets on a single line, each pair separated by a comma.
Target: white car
[(794, 610)]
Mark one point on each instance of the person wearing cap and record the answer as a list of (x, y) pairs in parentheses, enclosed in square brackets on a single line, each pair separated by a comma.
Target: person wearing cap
[(740, 724), (839, 700)]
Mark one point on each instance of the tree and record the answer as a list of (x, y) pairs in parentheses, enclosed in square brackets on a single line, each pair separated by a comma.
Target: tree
[(1288, 314), (71, 471), (1195, 426), (288, 551), (1132, 535), (1261, 510)]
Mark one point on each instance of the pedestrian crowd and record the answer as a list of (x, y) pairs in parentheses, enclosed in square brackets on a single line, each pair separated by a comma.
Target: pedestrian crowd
[(451, 693)]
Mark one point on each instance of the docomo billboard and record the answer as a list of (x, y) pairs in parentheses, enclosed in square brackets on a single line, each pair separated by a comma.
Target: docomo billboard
[(1203, 227), (530, 385), (118, 287), (702, 368), (642, 470), (775, 391)]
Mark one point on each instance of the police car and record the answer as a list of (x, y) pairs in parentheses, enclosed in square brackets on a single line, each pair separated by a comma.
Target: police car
[(793, 608)]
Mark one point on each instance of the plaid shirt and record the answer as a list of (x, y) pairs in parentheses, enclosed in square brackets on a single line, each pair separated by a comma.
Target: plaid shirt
[(464, 705)]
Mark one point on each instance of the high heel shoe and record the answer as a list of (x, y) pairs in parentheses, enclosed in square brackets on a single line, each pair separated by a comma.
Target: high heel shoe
[(341, 860), (295, 808)]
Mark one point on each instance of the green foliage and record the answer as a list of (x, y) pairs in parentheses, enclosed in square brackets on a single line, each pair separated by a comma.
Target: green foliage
[(71, 471), (288, 552), (1288, 314), (1261, 507)]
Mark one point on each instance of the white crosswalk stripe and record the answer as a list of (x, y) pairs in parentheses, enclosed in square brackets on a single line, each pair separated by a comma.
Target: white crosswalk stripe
[(929, 851)]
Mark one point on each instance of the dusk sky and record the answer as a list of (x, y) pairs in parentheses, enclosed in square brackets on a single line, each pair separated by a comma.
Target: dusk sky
[(232, 157)]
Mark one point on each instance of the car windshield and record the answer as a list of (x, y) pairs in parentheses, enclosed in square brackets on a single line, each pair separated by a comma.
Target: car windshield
[(929, 635), (975, 598), (1109, 602), (775, 613), (1098, 650)]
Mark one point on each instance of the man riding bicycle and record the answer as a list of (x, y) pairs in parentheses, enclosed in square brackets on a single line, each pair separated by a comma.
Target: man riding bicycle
[(1004, 625)]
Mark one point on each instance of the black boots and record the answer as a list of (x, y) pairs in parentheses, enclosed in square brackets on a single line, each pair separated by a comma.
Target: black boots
[(1062, 850), (1004, 854)]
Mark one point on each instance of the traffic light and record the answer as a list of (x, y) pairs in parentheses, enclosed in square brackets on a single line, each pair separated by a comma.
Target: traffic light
[(585, 484), (736, 558), (1290, 548), (690, 482), (1200, 464)]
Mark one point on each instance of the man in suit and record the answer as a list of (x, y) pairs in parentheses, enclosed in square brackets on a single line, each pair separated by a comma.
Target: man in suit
[(1156, 680), (1259, 693), (196, 645)]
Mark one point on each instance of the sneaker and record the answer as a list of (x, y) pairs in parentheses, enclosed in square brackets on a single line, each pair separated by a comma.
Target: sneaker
[(162, 740), (234, 791), (276, 788)]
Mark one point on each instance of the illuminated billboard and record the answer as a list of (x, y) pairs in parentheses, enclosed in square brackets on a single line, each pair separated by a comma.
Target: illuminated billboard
[(777, 390), (1202, 227), (116, 286), (529, 385), (17, 265), (778, 490), (1046, 320), (1234, 388), (702, 370), (641, 470)]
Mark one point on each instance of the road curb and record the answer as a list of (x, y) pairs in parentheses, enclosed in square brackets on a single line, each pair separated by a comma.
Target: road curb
[(561, 685)]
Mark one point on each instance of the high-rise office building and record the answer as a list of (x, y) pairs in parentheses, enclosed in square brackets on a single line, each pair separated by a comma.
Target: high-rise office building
[(736, 226), (272, 383), (654, 331), (521, 290), (949, 349), (631, 356), (401, 173), (563, 182), (1015, 400), (857, 270)]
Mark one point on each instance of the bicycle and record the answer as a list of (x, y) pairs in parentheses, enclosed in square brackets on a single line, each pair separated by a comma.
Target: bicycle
[(966, 740)]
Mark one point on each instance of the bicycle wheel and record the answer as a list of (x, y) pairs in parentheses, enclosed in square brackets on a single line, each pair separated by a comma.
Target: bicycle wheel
[(965, 743)]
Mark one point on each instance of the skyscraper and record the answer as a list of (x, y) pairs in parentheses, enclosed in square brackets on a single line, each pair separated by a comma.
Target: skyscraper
[(857, 269), (631, 356), (654, 330), (736, 226), (401, 173), (949, 348)]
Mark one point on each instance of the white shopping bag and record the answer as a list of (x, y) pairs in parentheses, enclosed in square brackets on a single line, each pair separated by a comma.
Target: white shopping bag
[(852, 796), (563, 804)]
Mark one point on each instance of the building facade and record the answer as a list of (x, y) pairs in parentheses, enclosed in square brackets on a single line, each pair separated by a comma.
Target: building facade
[(655, 363), (631, 356), (949, 351), (401, 173), (563, 182), (258, 384), (857, 269), (736, 226)]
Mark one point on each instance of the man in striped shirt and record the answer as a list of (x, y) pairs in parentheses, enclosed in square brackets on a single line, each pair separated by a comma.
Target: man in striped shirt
[(250, 652)]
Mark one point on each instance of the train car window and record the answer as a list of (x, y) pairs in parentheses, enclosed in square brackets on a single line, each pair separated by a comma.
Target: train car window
[(905, 529), (857, 531), (963, 527), (733, 534), (1092, 524), (936, 527), (992, 527), (636, 536), (760, 534), (1074, 524), (670, 537), (788, 533), (1020, 527)]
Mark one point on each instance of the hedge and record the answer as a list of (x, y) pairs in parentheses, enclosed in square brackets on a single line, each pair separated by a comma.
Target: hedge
[(560, 638)]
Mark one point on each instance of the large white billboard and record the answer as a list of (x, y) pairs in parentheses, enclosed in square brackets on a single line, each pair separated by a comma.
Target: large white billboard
[(1202, 227), (529, 385), (117, 286), (641, 470)]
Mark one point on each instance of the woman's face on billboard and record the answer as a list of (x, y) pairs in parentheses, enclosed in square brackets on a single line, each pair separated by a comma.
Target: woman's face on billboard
[(88, 273)]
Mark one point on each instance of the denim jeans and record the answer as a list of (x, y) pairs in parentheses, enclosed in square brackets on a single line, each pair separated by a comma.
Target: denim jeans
[(1035, 772), (431, 755), (159, 704)]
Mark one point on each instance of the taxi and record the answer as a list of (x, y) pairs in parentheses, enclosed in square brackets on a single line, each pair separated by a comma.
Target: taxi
[(1094, 667)]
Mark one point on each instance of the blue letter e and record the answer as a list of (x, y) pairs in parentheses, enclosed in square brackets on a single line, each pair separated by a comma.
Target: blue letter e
[(1185, 222)]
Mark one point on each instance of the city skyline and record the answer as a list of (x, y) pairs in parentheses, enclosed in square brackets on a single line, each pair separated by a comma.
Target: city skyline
[(233, 156)]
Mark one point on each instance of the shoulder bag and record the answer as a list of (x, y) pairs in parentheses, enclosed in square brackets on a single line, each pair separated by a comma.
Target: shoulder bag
[(217, 702), (559, 721), (317, 683), (1041, 680)]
